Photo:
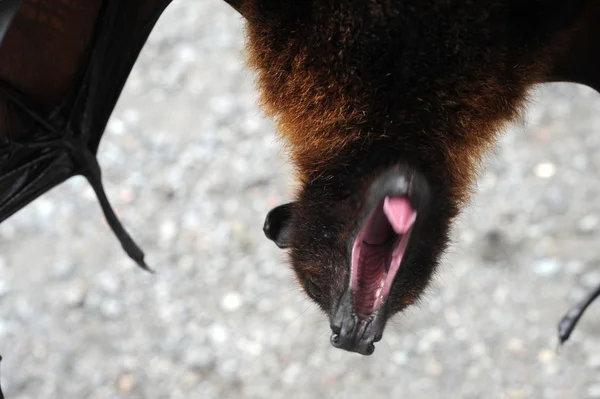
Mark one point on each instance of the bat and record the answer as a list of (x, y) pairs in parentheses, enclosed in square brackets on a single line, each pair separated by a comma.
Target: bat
[(386, 108)]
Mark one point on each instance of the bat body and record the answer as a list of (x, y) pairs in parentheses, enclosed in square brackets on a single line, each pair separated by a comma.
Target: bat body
[(386, 107)]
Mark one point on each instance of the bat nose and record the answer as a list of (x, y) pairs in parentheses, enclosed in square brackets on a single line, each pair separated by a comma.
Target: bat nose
[(352, 345), (352, 334)]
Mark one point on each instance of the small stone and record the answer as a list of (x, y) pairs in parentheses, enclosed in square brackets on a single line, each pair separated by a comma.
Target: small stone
[(200, 360), (574, 267), (44, 207), (452, 317), (580, 162), (63, 270), (429, 339), (591, 279), (116, 126), (109, 283), (593, 361), (400, 358), (111, 309), (74, 295), (546, 356), (4, 288), (546, 267), (168, 231), (126, 383), (515, 345), (588, 224), (495, 247), (231, 302), (478, 349), (190, 379), (545, 170), (291, 373), (218, 333)]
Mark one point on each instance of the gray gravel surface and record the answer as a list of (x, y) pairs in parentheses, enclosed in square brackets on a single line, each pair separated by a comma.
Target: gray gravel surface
[(192, 167)]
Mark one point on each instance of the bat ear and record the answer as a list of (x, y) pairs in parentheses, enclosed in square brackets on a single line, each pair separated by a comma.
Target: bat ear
[(278, 225)]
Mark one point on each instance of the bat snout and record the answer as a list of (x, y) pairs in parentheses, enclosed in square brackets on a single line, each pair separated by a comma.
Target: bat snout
[(352, 334)]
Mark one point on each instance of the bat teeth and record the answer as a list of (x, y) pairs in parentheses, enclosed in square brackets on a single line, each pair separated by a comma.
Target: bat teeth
[(378, 293)]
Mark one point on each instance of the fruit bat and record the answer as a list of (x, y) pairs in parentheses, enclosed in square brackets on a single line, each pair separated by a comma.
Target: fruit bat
[(386, 108)]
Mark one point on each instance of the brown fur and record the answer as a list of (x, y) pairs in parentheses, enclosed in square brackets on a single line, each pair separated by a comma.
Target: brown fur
[(358, 86)]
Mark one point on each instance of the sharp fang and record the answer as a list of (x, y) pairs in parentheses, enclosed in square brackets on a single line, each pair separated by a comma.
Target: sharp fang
[(378, 293)]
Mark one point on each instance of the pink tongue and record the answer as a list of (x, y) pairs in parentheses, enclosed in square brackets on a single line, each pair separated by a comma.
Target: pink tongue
[(399, 213)]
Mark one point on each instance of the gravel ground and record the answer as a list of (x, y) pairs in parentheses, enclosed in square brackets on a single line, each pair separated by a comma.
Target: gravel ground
[(192, 167)]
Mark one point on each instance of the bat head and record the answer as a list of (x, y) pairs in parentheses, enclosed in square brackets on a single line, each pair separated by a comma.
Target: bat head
[(364, 245)]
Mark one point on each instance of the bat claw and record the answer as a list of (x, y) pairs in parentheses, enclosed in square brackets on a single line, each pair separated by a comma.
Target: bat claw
[(1, 394), (93, 174), (569, 321), (141, 263)]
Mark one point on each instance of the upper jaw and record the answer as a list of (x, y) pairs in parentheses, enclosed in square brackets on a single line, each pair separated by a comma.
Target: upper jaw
[(352, 334), (352, 329)]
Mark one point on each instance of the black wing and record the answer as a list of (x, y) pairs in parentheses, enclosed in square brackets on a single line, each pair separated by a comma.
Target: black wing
[(63, 64)]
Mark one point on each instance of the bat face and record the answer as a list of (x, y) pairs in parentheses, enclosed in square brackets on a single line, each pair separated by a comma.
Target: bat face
[(364, 254)]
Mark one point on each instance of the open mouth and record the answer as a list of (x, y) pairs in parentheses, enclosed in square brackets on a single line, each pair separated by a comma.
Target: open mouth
[(377, 253)]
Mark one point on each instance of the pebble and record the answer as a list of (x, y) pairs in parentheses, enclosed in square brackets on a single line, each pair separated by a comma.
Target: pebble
[(200, 359), (545, 170), (168, 231), (291, 373), (111, 308), (588, 224), (74, 294), (126, 384), (574, 267), (593, 361), (109, 282), (231, 302), (515, 345), (400, 358), (63, 270), (546, 356), (218, 333), (591, 279), (4, 288), (546, 267)]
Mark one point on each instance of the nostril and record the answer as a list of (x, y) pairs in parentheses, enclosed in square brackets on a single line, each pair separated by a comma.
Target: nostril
[(370, 349), (335, 340)]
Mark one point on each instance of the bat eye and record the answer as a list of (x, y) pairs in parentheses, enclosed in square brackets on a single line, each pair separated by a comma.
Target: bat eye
[(314, 291)]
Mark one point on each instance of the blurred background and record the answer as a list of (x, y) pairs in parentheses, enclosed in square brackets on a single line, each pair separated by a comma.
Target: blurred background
[(192, 166)]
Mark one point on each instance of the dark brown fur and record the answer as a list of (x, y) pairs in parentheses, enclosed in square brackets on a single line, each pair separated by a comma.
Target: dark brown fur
[(359, 86)]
